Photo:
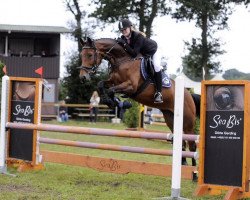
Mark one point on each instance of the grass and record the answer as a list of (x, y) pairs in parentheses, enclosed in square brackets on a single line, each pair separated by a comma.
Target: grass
[(62, 182)]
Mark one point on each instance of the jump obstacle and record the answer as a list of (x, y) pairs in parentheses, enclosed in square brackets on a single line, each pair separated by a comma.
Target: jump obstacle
[(26, 124), (35, 159)]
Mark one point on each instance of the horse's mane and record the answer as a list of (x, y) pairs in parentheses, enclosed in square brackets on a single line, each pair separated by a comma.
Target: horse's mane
[(112, 42), (111, 39)]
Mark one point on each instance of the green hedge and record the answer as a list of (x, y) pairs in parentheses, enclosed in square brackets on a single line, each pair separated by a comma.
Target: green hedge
[(131, 116)]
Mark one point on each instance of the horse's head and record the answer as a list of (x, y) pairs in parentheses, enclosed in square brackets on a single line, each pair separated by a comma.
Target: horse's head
[(91, 58), (94, 51)]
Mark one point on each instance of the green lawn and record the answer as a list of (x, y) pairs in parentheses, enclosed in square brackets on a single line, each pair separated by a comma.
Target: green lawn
[(61, 182)]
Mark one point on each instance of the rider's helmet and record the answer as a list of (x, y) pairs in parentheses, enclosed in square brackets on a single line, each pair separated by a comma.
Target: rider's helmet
[(123, 24)]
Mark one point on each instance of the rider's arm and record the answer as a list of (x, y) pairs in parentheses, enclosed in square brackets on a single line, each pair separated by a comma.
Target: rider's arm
[(138, 44), (121, 41), (131, 51)]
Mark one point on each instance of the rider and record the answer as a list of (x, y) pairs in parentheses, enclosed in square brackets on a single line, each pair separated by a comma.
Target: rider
[(134, 42)]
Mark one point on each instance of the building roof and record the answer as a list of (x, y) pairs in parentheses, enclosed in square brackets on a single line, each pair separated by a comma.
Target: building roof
[(33, 29)]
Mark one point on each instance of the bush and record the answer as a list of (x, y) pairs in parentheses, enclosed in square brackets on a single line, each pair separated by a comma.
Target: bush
[(197, 126), (1, 70), (131, 116)]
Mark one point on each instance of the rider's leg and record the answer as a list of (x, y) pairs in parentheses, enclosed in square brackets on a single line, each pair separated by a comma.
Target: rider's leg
[(158, 83), (157, 77)]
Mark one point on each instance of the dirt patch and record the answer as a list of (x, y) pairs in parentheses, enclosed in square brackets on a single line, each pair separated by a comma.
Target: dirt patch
[(16, 188)]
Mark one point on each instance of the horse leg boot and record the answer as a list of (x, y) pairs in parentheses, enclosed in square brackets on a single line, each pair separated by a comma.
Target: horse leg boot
[(158, 84), (184, 159), (192, 147)]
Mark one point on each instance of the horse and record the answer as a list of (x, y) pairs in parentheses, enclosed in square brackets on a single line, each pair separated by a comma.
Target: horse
[(125, 78)]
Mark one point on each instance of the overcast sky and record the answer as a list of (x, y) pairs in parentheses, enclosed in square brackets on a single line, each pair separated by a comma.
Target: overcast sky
[(169, 34)]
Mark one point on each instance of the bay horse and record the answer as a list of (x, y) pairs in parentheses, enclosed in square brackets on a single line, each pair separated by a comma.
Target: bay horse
[(125, 78)]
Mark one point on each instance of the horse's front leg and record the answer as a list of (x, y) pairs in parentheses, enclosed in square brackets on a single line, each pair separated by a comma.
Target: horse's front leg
[(103, 86), (125, 87), (107, 96)]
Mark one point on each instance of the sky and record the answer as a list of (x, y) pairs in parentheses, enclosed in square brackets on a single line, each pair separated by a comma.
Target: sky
[(169, 34)]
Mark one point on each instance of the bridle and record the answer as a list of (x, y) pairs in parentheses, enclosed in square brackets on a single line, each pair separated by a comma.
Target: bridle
[(106, 56), (95, 66)]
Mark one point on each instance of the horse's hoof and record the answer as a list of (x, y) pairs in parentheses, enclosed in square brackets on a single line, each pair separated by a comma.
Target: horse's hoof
[(184, 163), (195, 176)]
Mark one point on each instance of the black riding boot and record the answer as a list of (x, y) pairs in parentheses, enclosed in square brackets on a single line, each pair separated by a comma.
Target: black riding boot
[(158, 83)]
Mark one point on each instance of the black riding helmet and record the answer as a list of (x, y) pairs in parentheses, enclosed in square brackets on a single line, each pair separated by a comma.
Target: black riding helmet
[(123, 24)]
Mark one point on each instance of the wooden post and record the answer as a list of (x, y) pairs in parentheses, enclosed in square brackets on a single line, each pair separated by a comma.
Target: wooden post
[(141, 117)]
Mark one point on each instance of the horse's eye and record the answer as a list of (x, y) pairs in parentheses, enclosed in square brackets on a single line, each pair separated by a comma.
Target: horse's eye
[(223, 98)]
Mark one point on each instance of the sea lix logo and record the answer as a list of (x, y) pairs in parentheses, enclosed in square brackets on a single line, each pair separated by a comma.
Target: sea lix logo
[(232, 121), (26, 111)]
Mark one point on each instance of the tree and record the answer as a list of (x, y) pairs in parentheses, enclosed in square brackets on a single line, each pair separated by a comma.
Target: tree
[(144, 11), (234, 74), (1, 76), (1, 70), (209, 16), (193, 61), (76, 26), (71, 85), (80, 91)]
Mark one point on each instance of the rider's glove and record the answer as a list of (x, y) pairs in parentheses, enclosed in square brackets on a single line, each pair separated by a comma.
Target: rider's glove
[(121, 42)]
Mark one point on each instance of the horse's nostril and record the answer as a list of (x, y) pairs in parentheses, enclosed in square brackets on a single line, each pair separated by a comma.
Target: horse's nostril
[(82, 80), (82, 77)]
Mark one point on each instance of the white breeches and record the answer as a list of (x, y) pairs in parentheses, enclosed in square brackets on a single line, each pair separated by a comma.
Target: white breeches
[(157, 61)]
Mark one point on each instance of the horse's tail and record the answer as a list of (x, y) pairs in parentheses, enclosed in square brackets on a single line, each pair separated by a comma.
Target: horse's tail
[(197, 102)]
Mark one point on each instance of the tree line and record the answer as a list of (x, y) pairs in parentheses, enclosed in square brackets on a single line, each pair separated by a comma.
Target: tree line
[(200, 62)]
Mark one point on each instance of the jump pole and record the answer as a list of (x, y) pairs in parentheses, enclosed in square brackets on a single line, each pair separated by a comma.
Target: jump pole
[(98, 131)]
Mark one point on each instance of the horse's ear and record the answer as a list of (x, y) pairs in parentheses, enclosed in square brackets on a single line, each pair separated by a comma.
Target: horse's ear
[(82, 42), (90, 41)]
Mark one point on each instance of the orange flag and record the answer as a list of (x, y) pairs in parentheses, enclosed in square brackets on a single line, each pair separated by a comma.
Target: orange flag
[(39, 71)]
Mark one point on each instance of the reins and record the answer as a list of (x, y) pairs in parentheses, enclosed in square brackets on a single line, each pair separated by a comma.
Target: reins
[(107, 56)]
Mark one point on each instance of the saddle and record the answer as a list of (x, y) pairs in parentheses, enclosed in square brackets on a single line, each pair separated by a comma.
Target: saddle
[(147, 71)]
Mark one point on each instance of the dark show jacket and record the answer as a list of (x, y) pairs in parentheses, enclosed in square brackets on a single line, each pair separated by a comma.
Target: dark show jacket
[(140, 44)]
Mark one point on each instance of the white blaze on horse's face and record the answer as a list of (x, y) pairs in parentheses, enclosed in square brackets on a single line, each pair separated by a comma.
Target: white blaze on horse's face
[(88, 57), (89, 60), (84, 74)]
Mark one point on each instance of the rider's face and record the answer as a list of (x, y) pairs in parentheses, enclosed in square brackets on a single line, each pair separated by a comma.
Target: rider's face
[(126, 31)]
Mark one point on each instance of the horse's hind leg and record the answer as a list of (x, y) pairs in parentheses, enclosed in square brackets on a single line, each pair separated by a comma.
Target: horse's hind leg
[(169, 119), (184, 159), (192, 147)]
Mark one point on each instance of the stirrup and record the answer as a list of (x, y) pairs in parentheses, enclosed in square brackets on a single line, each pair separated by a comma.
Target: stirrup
[(158, 98)]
